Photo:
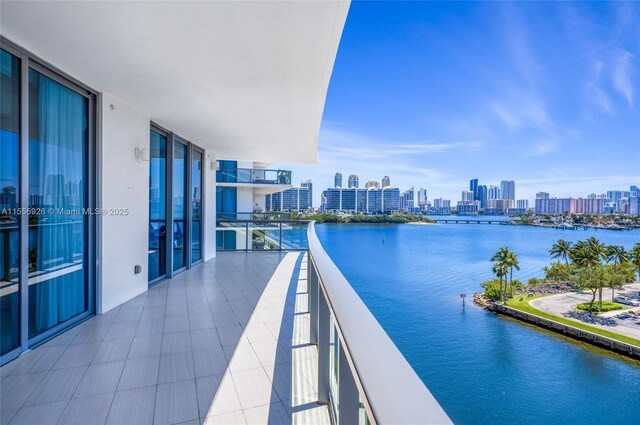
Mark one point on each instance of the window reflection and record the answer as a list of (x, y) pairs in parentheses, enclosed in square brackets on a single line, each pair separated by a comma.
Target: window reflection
[(58, 287), (157, 206), (9, 192)]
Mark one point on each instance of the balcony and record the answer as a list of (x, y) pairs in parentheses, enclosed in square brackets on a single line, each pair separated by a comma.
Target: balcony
[(245, 338), (260, 231), (262, 181)]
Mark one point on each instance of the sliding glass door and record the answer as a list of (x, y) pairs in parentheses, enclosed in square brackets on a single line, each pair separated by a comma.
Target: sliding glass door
[(9, 201), (196, 205), (179, 205), (175, 199), (58, 124), (46, 192), (157, 206)]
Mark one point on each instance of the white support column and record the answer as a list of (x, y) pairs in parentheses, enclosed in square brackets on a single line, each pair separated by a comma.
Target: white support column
[(209, 207)]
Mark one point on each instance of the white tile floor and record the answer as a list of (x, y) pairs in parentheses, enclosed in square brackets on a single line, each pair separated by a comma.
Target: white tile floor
[(218, 344)]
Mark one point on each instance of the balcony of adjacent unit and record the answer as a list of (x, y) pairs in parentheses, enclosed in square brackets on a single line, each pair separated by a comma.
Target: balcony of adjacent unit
[(263, 181), (260, 231)]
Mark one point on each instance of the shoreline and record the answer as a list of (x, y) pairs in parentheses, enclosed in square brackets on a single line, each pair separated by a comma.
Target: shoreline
[(601, 341)]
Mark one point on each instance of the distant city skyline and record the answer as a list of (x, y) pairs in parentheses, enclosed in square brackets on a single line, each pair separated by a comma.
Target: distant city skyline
[(433, 94)]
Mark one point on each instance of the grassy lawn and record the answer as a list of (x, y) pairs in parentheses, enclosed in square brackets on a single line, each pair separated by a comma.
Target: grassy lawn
[(528, 308)]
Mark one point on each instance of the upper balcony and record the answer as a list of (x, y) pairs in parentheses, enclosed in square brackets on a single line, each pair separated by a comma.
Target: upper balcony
[(263, 181)]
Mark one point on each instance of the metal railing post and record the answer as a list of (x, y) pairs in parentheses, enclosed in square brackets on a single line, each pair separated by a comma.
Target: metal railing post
[(313, 289), (348, 396), (324, 336), (280, 238), (246, 236)]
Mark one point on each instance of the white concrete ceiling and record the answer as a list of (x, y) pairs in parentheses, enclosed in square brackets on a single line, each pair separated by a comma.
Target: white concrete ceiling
[(247, 79)]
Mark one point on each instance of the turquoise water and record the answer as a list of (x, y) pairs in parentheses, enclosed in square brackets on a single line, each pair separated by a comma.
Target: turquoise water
[(482, 368)]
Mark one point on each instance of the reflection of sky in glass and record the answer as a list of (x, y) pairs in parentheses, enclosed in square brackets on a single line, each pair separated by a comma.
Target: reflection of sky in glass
[(180, 153), (8, 162)]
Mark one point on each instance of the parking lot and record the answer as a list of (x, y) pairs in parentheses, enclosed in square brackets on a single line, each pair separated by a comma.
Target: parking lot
[(619, 321)]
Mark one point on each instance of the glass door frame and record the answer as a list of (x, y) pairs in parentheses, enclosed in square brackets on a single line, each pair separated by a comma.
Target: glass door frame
[(172, 139), (186, 201), (168, 254), (191, 148), (29, 61)]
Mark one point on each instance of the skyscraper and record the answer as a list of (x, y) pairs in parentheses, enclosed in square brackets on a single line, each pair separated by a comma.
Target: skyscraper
[(473, 187), (422, 198), (353, 181), (493, 192), (407, 200), (482, 195), (309, 184), (508, 189), (386, 182), (372, 184), (467, 196), (337, 180)]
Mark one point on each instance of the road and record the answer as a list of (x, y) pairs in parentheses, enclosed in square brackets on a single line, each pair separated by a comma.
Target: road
[(565, 304)]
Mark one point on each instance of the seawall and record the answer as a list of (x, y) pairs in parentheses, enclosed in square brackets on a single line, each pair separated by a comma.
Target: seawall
[(580, 334)]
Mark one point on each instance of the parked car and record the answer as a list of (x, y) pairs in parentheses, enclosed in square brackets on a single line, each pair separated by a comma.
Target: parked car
[(626, 300)]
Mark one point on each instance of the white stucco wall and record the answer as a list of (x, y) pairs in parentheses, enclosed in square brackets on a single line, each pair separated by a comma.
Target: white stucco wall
[(123, 239)]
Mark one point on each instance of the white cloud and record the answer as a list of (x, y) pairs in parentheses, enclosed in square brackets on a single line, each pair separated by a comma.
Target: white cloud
[(621, 75)]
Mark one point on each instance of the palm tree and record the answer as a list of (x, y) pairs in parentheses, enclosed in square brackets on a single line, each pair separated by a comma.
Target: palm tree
[(562, 249), (597, 247), (511, 262), (500, 271), (635, 257), (500, 268), (618, 255), (583, 256)]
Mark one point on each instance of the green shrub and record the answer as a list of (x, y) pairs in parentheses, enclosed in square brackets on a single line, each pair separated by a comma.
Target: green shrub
[(492, 289), (535, 281), (557, 272), (606, 306), (625, 271)]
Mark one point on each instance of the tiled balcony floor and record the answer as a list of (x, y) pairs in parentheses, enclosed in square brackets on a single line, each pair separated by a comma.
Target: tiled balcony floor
[(223, 343)]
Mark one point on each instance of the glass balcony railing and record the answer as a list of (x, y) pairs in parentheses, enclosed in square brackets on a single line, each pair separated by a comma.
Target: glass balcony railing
[(362, 375), (269, 215), (267, 234), (249, 175)]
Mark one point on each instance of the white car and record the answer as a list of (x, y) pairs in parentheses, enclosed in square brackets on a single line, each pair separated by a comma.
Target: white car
[(626, 300)]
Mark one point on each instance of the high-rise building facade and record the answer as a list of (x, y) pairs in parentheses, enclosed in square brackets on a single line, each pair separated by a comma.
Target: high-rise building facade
[(309, 185), (293, 199), (508, 189), (634, 205), (467, 196), (589, 206), (372, 184), (482, 195), (337, 180), (473, 187), (546, 205), (494, 192), (368, 201), (386, 182), (407, 200), (353, 181), (422, 199)]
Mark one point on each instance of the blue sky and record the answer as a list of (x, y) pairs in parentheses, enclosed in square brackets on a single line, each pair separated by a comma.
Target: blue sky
[(433, 94)]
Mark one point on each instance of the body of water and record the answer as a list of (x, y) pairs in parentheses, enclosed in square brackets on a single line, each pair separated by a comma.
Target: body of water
[(482, 368)]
